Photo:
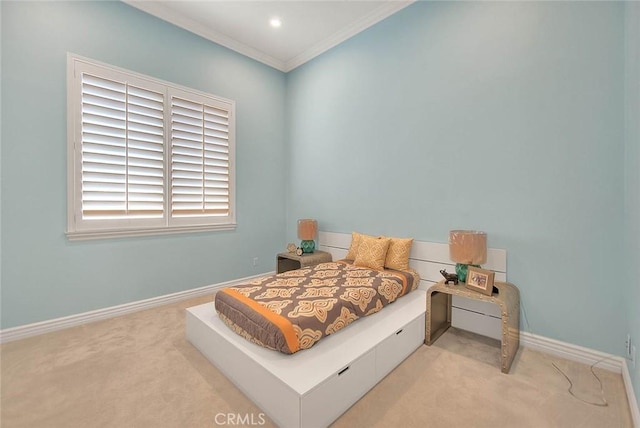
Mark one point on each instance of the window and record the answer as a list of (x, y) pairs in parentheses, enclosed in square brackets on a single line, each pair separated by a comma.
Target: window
[(145, 156)]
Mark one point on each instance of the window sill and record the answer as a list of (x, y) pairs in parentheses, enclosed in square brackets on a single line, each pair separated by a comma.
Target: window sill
[(154, 231)]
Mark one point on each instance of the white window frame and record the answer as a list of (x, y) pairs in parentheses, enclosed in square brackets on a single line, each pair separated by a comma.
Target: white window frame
[(82, 229)]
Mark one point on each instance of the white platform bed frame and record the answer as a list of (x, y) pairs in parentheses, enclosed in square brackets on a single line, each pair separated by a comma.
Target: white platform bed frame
[(312, 388)]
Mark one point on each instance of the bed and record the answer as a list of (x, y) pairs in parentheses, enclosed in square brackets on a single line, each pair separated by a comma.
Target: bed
[(312, 388), (293, 310)]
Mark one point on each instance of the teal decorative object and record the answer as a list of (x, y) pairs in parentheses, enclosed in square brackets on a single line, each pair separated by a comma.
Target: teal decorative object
[(308, 246), (461, 270)]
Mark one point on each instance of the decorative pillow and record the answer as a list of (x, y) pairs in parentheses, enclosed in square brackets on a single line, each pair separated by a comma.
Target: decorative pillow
[(372, 252), (353, 249), (355, 243), (398, 253)]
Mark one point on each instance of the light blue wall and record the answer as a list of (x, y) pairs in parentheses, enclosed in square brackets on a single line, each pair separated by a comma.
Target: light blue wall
[(632, 181), (43, 275), (504, 117)]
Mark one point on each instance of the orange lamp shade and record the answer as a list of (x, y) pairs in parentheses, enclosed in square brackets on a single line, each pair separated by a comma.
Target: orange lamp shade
[(307, 229), (468, 247)]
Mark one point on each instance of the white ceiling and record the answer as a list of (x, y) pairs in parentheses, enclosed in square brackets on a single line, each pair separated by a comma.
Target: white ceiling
[(308, 29)]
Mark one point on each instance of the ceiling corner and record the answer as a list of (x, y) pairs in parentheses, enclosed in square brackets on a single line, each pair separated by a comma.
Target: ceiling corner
[(372, 18), (159, 10), (167, 14)]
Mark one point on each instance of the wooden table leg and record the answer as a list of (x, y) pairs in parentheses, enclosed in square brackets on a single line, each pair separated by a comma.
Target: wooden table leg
[(510, 334), (438, 318)]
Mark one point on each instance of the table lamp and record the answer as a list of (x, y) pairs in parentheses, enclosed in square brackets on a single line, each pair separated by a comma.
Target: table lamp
[(307, 229), (467, 247)]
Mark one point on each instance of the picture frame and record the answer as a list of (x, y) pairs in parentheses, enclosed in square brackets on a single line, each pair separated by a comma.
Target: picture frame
[(480, 280)]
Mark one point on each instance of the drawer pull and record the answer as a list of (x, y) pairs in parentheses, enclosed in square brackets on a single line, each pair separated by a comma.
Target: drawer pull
[(400, 331), (343, 370)]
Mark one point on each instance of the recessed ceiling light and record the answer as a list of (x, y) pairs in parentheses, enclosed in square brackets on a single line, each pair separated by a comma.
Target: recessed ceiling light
[(275, 22)]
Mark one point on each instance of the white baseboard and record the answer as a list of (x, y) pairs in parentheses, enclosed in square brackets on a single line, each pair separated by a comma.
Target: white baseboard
[(571, 352), (633, 403), (580, 354), (28, 330)]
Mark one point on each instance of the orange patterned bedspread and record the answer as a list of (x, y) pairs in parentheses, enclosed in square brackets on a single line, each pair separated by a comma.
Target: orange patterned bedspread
[(293, 310)]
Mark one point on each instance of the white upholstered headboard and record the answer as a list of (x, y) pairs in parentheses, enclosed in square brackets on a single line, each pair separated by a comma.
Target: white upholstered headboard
[(426, 257)]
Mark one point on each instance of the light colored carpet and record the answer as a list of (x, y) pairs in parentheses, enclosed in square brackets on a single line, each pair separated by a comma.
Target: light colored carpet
[(139, 370)]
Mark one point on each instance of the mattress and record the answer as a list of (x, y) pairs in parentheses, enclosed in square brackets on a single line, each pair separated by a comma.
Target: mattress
[(293, 310)]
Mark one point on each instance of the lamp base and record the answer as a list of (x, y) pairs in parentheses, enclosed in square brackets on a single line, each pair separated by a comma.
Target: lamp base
[(461, 270), (308, 246)]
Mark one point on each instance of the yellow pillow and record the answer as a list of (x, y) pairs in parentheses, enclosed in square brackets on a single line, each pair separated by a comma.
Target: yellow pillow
[(355, 243), (372, 252), (353, 249), (398, 253)]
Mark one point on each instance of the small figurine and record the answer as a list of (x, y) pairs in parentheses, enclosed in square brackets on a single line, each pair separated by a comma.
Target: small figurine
[(449, 277)]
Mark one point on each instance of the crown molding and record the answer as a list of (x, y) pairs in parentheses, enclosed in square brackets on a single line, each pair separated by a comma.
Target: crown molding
[(370, 19), (160, 11)]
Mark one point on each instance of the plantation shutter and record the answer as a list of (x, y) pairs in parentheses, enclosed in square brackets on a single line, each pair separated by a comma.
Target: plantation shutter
[(145, 156), (122, 150), (199, 158)]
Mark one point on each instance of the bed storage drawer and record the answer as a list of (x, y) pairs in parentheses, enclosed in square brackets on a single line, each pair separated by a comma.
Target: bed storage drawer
[(395, 348), (330, 399)]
